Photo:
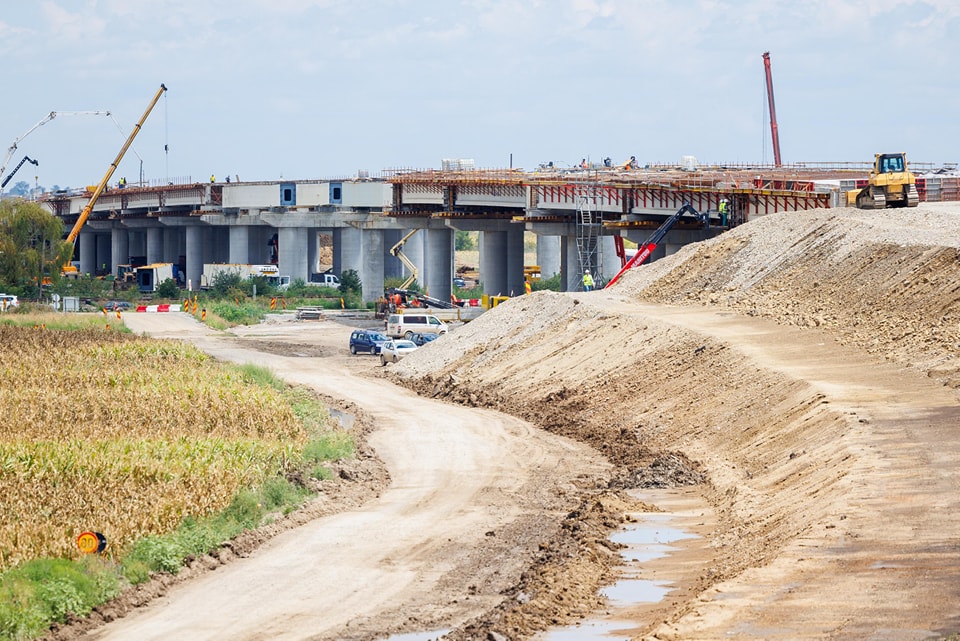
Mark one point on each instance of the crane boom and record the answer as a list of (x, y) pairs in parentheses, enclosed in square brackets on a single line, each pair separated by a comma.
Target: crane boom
[(17, 168), (50, 116), (774, 134), (645, 249), (396, 251), (72, 236)]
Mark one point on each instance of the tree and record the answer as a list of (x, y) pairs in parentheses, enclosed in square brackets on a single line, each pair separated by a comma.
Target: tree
[(20, 188), (31, 245), (463, 241), (350, 281)]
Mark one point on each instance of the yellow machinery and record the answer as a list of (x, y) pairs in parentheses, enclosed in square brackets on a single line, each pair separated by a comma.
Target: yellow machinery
[(890, 184), (70, 269)]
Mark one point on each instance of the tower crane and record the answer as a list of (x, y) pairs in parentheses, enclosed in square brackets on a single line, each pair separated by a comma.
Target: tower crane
[(50, 116)]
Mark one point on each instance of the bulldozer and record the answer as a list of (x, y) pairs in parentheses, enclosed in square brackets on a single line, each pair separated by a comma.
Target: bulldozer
[(890, 184)]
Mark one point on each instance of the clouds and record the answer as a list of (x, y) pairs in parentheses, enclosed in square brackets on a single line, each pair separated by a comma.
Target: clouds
[(324, 87)]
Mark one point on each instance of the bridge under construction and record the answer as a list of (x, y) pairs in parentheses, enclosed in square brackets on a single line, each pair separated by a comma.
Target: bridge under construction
[(577, 215)]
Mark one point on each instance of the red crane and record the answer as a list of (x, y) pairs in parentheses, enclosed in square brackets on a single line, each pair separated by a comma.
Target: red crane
[(773, 110)]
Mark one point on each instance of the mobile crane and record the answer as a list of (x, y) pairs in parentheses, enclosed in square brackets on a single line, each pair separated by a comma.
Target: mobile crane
[(69, 269), (647, 247)]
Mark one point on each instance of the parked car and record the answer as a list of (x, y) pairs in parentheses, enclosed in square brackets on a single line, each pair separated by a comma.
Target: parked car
[(459, 282), (117, 305), (413, 322), (8, 301), (422, 339), (366, 341), (394, 350)]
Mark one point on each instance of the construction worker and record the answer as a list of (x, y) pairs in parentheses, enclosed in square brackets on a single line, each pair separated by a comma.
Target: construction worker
[(587, 280), (724, 211), (213, 178)]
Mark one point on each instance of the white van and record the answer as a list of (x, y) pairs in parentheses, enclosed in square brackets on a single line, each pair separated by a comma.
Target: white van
[(410, 323)]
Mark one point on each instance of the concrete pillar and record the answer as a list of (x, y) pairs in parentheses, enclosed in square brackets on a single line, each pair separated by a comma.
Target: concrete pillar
[(548, 255), (104, 253), (371, 278), (313, 253), (515, 286), (337, 235), (610, 262), (415, 250), (194, 255), (493, 262), (572, 278), (239, 252), (88, 252), (292, 258), (119, 248), (438, 281), (171, 245), (392, 268), (136, 245), (154, 245)]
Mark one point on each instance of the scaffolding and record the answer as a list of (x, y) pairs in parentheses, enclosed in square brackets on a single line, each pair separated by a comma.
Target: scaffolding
[(589, 224)]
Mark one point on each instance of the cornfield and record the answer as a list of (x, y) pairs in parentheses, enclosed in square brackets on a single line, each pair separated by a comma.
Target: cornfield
[(125, 436)]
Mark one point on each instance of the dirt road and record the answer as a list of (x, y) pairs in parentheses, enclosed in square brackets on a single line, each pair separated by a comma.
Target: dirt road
[(473, 493), (800, 374)]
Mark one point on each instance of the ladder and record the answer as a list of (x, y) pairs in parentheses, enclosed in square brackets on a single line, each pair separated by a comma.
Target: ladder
[(589, 225)]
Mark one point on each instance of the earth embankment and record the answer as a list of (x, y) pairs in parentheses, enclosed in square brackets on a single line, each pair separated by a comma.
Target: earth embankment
[(803, 368)]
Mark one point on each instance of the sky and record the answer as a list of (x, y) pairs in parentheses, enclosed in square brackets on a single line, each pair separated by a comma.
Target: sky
[(319, 89)]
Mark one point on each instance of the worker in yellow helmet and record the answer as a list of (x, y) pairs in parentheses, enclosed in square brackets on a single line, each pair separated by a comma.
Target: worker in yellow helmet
[(587, 281)]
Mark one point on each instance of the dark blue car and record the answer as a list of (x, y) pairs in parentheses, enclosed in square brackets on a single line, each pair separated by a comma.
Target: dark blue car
[(366, 341)]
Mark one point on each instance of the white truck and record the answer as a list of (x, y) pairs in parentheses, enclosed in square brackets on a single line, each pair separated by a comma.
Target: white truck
[(149, 277), (270, 272)]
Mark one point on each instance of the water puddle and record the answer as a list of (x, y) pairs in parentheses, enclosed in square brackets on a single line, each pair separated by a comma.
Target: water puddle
[(343, 419), (433, 635), (648, 573)]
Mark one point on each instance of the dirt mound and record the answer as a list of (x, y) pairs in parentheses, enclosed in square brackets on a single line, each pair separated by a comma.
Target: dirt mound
[(669, 406)]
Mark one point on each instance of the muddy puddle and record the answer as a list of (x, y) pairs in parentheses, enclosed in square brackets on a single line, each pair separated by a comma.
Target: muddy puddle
[(663, 554)]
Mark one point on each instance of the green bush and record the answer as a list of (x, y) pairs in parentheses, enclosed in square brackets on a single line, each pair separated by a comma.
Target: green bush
[(168, 289)]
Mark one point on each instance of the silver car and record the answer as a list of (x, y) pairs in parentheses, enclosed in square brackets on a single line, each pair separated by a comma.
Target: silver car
[(393, 350)]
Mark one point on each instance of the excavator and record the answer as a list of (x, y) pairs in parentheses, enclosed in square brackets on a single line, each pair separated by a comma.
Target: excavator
[(646, 248), (69, 269), (890, 184)]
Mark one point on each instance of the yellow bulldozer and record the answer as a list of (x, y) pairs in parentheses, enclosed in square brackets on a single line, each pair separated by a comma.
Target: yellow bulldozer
[(890, 184)]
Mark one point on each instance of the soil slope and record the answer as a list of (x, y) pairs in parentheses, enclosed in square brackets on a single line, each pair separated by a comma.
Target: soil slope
[(805, 365)]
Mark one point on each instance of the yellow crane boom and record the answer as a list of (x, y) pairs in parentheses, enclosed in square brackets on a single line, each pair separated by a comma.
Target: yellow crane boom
[(72, 236), (395, 250)]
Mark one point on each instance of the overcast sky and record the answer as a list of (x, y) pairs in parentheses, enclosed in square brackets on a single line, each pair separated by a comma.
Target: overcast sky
[(305, 89)]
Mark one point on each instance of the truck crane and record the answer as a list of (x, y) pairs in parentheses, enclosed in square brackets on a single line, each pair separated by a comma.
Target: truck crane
[(647, 247), (50, 116), (17, 168), (69, 269)]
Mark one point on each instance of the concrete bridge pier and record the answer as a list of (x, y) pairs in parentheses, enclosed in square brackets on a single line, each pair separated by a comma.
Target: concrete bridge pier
[(548, 255), (239, 245), (362, 251), (194, 256), (154, 245), (493, 264), (293, 253), (104, 244), (171, 245), (119, 247), (515, 260), (88, 252), (438, 277), (609, 261), (392, 268), (572, 279)]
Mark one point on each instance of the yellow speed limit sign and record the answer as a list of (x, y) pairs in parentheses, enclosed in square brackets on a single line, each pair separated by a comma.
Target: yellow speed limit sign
[(91, 542)]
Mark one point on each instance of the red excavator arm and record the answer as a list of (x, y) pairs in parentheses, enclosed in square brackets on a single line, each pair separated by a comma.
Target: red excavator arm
[(645, 249)]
